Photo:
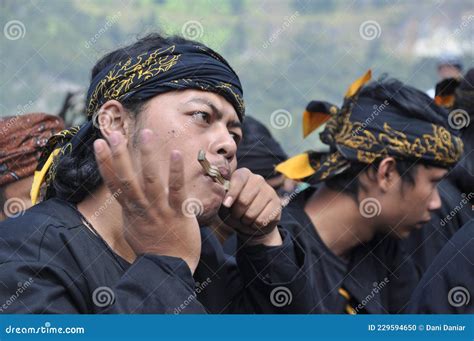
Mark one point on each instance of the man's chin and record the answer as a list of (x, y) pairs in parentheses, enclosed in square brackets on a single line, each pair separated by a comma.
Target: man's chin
[(401, 234), (209, 216)]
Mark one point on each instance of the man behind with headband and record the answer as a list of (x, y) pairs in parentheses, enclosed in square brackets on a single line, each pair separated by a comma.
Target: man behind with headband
[(21, 139), (456, 189), (447, 287), (389, 147), (122, 225)]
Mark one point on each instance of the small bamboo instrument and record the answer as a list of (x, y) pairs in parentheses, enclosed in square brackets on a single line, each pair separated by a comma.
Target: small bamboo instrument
[(212, 171)]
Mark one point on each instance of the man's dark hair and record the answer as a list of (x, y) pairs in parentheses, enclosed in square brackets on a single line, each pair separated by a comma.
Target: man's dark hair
[(78, 175), (412, 104)]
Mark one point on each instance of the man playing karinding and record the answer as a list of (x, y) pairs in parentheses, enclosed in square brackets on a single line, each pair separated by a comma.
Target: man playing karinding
[(117, 231), (390, 145)]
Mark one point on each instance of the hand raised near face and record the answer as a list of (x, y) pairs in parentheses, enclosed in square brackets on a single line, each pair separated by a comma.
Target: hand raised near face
[(253, 208), (153, 218)]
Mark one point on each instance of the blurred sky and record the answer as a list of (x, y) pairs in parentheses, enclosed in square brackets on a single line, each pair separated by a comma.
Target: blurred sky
[(287, 52)]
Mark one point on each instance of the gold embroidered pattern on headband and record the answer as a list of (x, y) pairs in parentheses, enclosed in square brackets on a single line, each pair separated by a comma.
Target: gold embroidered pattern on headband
[(240, 100), (120, 79), (440, 143)]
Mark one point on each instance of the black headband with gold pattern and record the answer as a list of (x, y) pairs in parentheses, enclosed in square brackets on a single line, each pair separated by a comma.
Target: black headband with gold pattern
[(141, 77), (169, 68), (366, 130)]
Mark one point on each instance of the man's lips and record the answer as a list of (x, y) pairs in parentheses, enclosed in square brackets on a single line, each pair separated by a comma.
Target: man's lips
[(219, 171), (225, 171), (422, 223)]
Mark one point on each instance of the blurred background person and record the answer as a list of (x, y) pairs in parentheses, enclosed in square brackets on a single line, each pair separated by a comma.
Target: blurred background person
[(260, 152), (457, 189), (448, 66), (21, 140)]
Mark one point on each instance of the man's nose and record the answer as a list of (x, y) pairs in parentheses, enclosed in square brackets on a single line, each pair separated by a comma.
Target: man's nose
[(224, 144), (435, 201)]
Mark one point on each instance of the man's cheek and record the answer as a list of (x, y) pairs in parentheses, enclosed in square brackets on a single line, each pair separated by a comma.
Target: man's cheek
[(233, 165)]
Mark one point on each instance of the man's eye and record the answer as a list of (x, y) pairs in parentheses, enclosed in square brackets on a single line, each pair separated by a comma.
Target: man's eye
[(236, 137), (201, 115)]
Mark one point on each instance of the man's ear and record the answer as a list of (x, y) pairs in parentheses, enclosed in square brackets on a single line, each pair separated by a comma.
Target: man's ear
[(112, 116), (387, 174)]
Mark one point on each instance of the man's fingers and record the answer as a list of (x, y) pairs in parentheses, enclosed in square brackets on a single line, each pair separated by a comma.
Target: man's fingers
[(103, 156), (125, 173), (152, 180), (252, 197), (269, 215), (237, 182), (255, 210), (177, 192)]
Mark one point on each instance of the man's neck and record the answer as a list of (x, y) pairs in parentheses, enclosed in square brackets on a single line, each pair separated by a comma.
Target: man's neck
[(337, 220), (104, 213)]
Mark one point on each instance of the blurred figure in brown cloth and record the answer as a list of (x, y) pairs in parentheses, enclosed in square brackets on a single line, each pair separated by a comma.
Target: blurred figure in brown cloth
[(21, 140)]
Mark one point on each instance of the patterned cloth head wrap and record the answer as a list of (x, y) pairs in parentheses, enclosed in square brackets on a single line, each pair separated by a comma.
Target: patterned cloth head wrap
[(141, 77)]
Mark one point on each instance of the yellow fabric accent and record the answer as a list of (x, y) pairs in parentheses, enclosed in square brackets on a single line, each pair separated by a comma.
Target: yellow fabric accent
[(40, 175), (313, 120), (344, 293), (358, 84), (350, 310), (298, 167)]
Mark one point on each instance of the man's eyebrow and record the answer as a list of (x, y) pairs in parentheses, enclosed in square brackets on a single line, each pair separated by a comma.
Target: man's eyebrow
[(235, 124), (219, 114), (440, 178)]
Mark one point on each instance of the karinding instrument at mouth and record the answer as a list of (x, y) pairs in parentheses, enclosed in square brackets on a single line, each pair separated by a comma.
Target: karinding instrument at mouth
[(212, 171)]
